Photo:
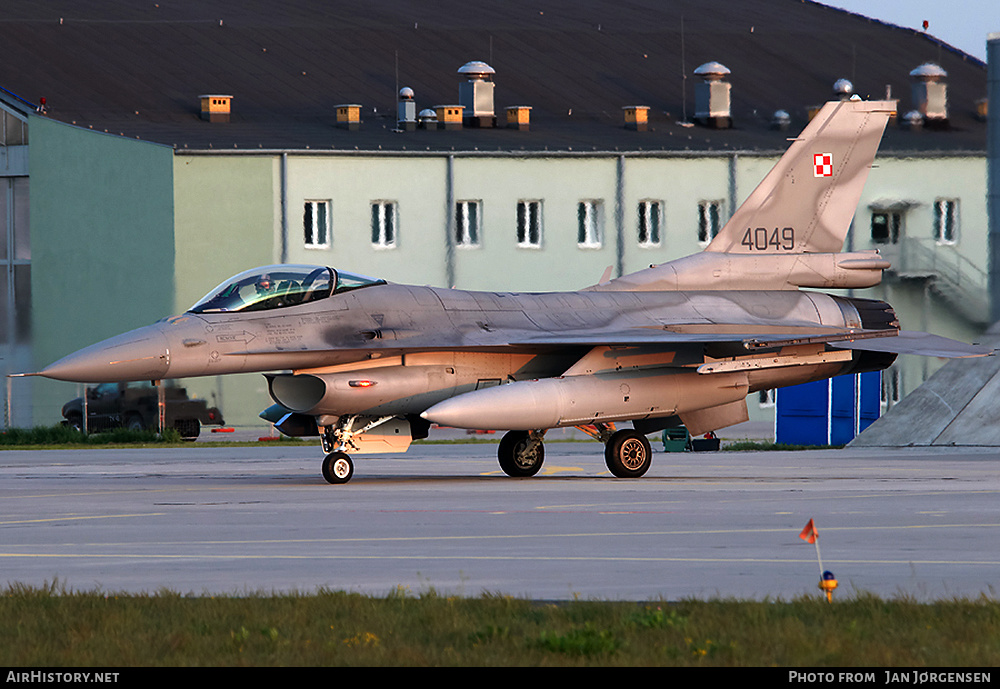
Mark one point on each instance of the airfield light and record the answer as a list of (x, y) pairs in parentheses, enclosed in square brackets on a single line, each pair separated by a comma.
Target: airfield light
[(827, 584)]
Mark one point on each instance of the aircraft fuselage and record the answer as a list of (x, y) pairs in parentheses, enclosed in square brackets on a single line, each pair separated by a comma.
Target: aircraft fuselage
[(393, 349)]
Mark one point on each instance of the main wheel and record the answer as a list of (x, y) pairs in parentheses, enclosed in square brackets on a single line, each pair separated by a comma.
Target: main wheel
[(520, 454), (337, 468), (628, 454)]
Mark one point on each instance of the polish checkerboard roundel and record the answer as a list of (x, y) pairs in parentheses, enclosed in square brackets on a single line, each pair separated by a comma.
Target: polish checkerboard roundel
[(822, 165)]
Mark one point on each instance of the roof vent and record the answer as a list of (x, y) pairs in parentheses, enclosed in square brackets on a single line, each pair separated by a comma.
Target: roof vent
[(427, 119), (215, 108), (406, 110), (842, 89), (476, 94), (781, 120), (930, 94), (711, 96), (912, 120), (349, 116), (636, 117), (519, 117), (448, 116)]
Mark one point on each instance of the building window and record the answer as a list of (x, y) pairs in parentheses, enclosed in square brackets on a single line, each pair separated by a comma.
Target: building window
[(529, 224), (650, 223), (589, 218), (709, 220), (385, 224), (886, 227), (765, 398), (316, 224), (468, 223), (946, 221)]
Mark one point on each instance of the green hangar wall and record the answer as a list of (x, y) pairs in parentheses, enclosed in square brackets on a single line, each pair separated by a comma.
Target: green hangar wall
[(102, 235)]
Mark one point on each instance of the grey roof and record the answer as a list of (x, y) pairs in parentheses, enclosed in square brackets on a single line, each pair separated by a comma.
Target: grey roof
[(137, 69)]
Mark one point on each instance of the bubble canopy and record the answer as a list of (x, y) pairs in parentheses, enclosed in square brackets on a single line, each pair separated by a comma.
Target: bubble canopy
[(279, 286)]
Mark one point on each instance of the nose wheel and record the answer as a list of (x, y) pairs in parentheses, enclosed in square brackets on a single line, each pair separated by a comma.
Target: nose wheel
[(337, 468), (628, 454)]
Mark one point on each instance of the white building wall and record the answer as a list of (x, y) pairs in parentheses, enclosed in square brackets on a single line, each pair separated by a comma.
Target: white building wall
[(351, 184), (559, 184), (425, 187)]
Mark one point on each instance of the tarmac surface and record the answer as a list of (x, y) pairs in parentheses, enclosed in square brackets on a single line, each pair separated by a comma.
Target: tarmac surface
[(920, 522)]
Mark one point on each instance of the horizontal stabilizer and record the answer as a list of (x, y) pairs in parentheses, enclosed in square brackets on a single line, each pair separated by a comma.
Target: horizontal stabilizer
[(923, 344)]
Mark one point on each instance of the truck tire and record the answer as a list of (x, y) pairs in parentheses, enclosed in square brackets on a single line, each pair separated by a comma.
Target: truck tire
[(75, 421), (189, 429)]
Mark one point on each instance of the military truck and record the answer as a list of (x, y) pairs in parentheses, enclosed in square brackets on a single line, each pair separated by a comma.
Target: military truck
[(134, 406)]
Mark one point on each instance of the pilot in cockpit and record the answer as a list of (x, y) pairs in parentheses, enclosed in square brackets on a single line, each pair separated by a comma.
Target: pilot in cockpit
[(265, 286)]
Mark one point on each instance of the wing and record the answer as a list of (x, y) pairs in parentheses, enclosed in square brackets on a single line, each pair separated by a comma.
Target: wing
[(889, 340)]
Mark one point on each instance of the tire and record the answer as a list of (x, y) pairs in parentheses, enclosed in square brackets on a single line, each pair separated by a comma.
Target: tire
[(628, 454), (519, 455), (75, 421), (189, 429), (337, 468), (134, 423)]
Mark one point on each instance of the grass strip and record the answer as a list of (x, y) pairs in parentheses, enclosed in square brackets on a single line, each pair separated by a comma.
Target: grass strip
[(52, 627)]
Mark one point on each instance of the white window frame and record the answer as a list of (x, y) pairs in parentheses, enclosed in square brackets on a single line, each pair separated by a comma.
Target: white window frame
[(385, 224), (316, 224), (708, 226), (946, 221), (650, 222), (468, 224), (529, 215), (590, 224)]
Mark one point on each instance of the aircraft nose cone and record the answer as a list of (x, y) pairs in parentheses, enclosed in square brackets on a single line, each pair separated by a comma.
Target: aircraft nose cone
[(141, 354)]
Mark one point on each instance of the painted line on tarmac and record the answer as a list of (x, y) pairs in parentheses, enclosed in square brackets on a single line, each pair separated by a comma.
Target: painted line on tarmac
[(791, 532), (484, 558), (75, 518)]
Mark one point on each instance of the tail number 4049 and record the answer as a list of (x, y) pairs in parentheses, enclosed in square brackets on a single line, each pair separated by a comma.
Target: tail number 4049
[(763, 239)]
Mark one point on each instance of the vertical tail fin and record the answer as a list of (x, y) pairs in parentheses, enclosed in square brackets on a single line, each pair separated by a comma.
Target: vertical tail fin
[(806, 202)]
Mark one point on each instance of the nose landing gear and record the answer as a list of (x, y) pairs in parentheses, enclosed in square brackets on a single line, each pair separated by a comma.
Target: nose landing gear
[(337, 468)]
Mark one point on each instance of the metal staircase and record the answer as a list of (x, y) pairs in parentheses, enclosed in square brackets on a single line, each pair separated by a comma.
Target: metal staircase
[(951, 275)]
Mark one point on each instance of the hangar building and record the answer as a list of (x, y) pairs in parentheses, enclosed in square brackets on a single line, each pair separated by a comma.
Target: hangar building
[(151, 151)]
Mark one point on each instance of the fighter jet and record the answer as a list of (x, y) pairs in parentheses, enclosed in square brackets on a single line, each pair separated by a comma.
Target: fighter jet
[(368, 365)]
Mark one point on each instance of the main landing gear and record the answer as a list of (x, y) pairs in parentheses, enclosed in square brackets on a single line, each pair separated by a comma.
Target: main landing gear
[(626, 452), (521, 453)]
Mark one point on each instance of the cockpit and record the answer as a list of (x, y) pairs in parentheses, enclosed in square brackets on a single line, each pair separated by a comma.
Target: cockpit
[(278, 286)]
